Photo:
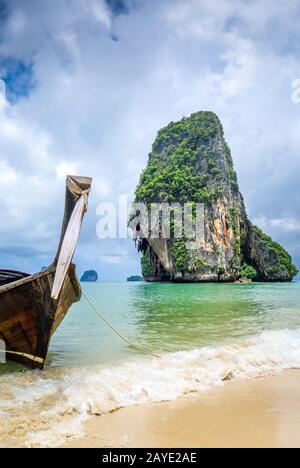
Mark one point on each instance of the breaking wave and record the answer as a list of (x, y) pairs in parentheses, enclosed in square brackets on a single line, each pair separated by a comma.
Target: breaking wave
[(46, 409)]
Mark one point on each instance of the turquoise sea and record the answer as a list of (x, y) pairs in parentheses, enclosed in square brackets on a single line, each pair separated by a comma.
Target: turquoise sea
[(165, 317), (203, 333)]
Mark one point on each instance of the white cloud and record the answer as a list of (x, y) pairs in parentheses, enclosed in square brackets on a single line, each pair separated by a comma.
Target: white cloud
[(98, 104), (284, 224), (64, 169), (240, 70), (99, 10), (111, 259), (8, 176)]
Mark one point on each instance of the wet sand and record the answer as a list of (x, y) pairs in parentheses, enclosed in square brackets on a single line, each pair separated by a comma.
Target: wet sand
[(249, 413)]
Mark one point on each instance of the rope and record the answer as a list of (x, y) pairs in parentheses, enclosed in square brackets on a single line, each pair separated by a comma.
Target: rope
[(133, 345)]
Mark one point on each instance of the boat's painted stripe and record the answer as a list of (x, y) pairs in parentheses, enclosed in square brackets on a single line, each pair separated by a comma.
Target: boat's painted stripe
[(28, 356)]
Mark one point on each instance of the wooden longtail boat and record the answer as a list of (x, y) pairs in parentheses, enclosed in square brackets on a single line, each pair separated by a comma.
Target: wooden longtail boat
[(33, 306)]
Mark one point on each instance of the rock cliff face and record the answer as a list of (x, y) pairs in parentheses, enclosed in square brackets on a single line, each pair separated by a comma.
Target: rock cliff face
[(90, 276), (191, 162)]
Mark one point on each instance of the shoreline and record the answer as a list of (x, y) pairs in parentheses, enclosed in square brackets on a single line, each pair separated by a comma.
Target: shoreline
[(262, 412)]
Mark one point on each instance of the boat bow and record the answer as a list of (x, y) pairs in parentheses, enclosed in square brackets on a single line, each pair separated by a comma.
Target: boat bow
[(78, 188)]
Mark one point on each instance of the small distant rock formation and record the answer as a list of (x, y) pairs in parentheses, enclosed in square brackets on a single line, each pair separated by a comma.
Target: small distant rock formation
[(44, 268), (90, 276), (135, 278)]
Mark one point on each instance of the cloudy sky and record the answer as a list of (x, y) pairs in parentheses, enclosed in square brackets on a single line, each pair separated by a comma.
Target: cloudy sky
[(88, 85)]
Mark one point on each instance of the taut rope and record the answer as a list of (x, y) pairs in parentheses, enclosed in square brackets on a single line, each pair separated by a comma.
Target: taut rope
[(133, 345), (100, 314)]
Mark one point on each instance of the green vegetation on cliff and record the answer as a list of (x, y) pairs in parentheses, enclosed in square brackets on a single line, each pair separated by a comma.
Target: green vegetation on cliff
[(234, 218), (146, 264), (231, 174), (172, 173), (179, 255), (283, 259), (247, 271)]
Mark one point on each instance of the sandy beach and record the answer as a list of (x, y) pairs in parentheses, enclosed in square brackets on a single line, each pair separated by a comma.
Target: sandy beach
[(248, 413)]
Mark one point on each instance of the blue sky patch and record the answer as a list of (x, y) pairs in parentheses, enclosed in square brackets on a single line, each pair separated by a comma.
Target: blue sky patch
[(118, 7), (233, 23), (3, 11), (18, 77)]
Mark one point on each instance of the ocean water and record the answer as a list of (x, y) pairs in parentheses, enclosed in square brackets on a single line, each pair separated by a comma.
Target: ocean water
[(205, 334)]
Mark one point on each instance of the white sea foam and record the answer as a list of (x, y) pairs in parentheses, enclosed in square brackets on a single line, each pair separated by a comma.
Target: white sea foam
[(44, 409)]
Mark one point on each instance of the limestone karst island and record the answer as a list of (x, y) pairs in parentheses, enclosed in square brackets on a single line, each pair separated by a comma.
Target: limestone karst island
[(89, 276), (191, 162)]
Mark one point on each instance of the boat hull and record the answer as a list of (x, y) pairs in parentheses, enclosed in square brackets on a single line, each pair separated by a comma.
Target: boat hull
[(29, 316)]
